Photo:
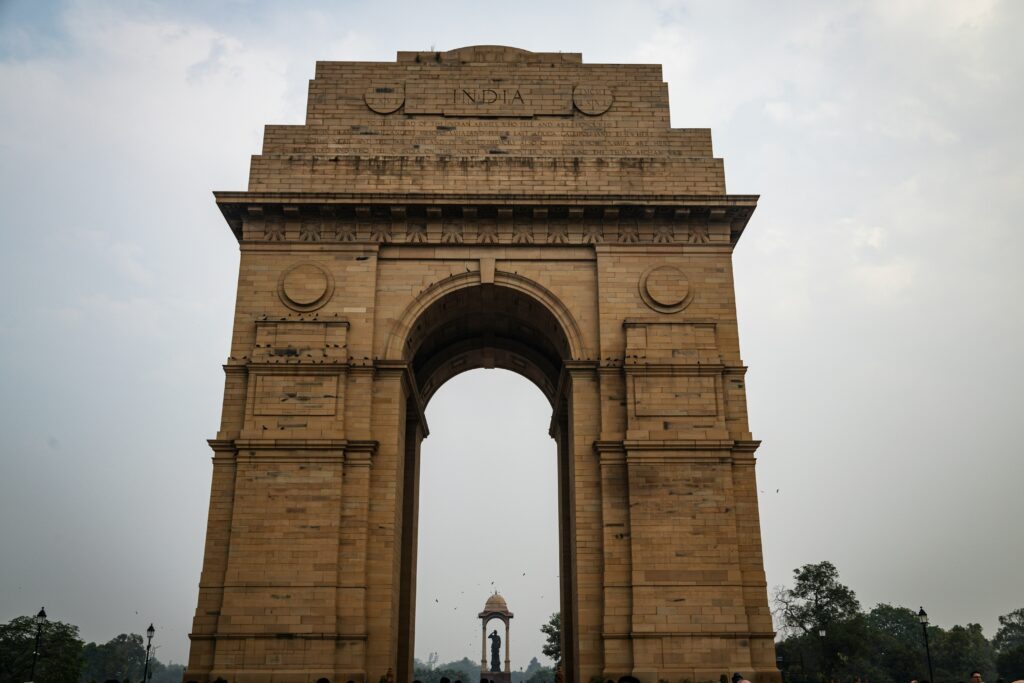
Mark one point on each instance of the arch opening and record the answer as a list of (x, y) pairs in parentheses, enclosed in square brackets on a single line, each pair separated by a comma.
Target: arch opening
[(485, 326), (489, 326)]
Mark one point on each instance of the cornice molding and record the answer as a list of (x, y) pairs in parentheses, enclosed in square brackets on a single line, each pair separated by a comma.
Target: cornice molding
[(609, 221)]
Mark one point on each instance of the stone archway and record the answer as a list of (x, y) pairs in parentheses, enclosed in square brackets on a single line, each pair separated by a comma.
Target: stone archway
[(460, 324), (484, 207)]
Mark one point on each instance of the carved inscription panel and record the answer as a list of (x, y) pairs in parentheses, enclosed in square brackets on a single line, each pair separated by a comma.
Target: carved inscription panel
[(487, 99), (450, 98)]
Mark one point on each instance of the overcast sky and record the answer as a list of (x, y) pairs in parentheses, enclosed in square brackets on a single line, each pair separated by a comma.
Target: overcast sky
[(879, 288)]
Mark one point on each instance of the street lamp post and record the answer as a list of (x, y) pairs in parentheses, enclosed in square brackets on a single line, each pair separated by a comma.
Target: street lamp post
[(824, 663), (40, 619), (922, 616), (149, 642)]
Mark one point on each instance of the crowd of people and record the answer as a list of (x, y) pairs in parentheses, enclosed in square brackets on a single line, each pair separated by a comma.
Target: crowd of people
[(975, 678), (739, 678)]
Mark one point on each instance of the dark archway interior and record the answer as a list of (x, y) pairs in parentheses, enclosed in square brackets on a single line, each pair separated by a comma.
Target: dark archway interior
[(485, 326)]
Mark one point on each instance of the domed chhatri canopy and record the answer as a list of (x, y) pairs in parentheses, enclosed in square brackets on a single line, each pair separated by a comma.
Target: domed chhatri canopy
[(495, 608), (495, 605)]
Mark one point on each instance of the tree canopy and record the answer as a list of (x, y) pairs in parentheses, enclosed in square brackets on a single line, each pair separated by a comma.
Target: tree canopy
[(1009, 645), (60, 651), (63, 658), (827, 635), (552, 648), (817, 599)]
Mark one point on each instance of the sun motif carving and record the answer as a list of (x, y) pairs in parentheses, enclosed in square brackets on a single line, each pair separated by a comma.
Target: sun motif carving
[(558, 233), (451, 233), (593, 235), (309, 231), (347, 232), (416, 233), (380, 232), (487, 233), (273, 231), (522, 234)]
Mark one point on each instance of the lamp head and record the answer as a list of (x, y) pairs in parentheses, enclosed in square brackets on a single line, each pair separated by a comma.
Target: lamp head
[(922, 616), (150, 632), (41, 617)]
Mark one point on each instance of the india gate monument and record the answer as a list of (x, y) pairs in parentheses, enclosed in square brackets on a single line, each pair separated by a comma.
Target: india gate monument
[(486, 207)]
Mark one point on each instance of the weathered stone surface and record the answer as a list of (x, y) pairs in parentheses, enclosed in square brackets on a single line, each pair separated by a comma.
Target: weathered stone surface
[(484, 207)]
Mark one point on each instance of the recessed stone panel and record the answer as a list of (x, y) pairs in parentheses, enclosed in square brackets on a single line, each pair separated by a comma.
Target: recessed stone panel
[(676, 396), (296, 395)]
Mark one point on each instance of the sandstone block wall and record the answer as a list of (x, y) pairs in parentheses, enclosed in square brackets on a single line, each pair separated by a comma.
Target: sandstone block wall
[(484, 207)]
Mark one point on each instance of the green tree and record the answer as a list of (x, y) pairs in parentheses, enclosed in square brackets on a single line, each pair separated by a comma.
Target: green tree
[(462, 670), (538, 673), (60, 651), (552, 648), (122, 657), (1009, 645), (1011, 631), (544, 674), (819, 604), (896, 645), (961, 650), (817, 600)]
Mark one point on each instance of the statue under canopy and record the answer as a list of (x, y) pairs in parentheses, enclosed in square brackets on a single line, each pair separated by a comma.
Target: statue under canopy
[(495, 649)]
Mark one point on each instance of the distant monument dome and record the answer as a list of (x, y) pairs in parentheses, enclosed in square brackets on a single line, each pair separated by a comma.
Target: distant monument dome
[(493, 672), (496, 603)]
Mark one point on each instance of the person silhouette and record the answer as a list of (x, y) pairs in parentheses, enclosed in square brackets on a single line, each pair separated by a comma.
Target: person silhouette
[(495, 649)]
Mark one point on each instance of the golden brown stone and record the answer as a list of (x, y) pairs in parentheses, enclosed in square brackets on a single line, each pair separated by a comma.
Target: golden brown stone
[(483, 207)]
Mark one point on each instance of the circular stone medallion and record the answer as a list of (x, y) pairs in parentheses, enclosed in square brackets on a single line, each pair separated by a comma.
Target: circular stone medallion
[(305, 287), (665, 288), (385, 98), (592, 99)]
